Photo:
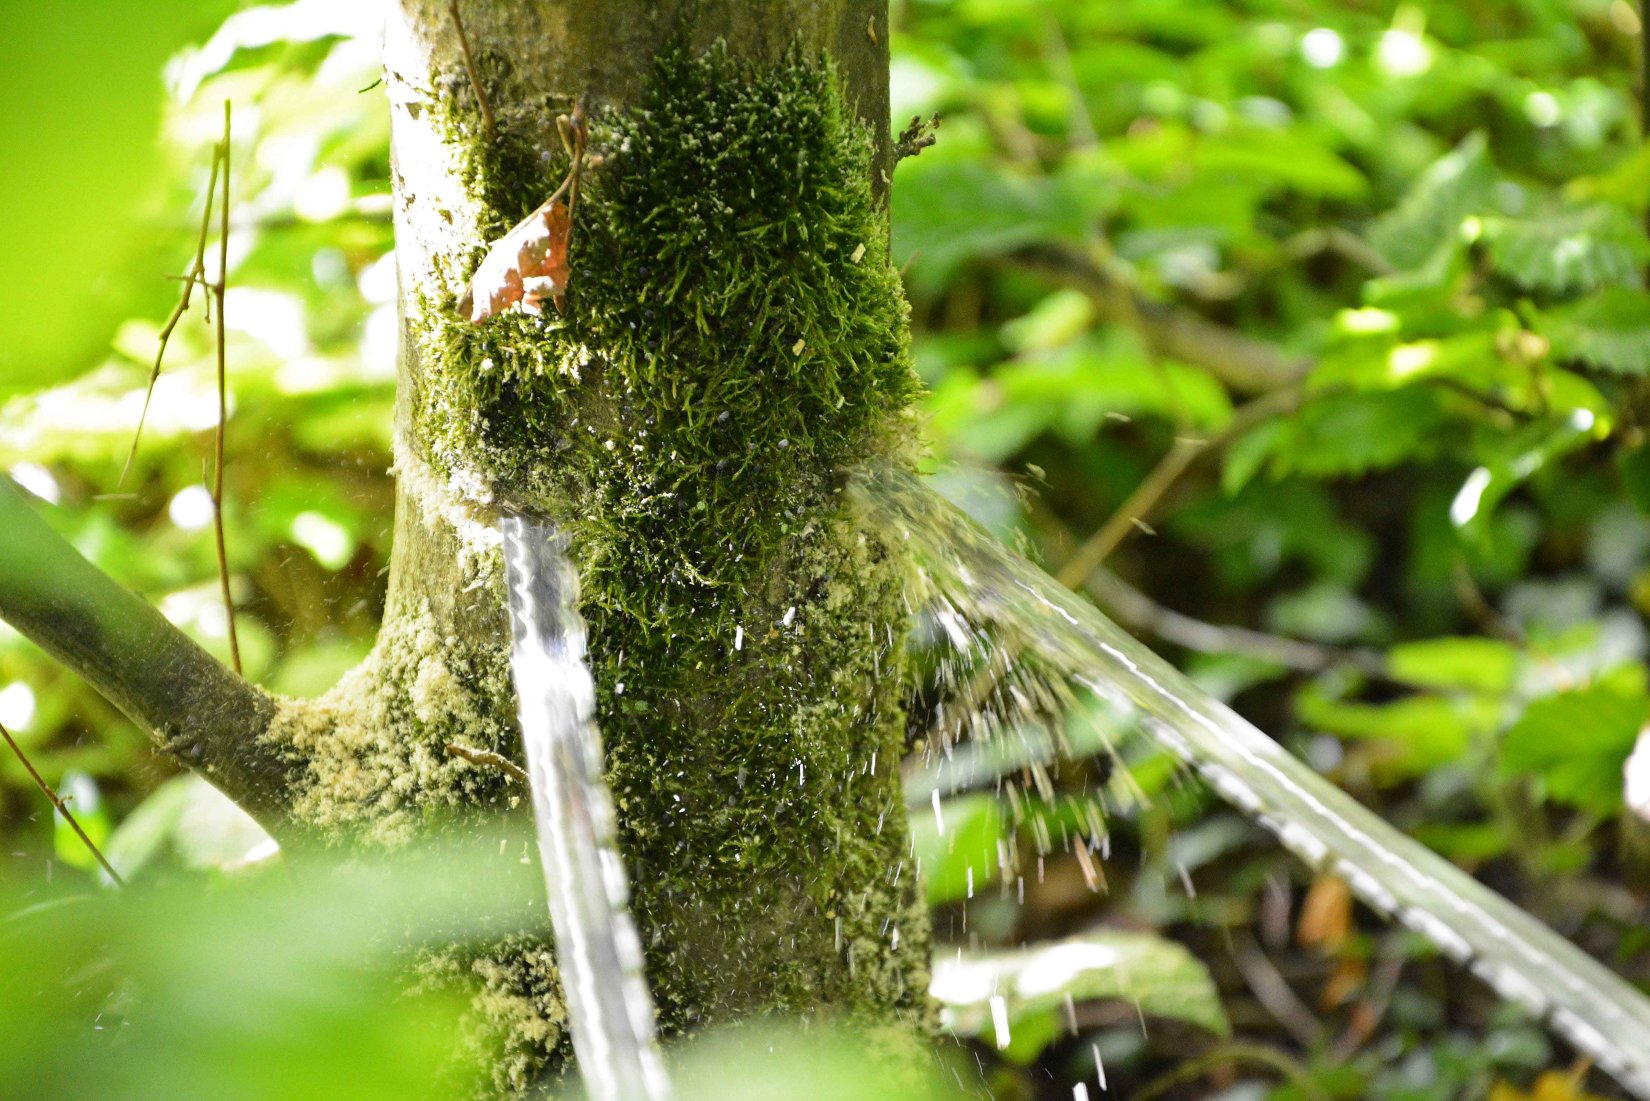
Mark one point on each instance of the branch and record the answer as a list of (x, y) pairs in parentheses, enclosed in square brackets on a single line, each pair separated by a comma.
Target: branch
[(1142, 503), (1241, 362), (1141, 612), (196, 710)]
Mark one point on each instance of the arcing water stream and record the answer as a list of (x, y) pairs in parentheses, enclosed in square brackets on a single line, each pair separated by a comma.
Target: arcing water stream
[(990, 602), (998, 609), (597, 950)]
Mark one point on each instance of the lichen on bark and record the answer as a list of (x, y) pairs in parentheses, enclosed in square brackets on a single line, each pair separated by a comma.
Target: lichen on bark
[(734, 341)]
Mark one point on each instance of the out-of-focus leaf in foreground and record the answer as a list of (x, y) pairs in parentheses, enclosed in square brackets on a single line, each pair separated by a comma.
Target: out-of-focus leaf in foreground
[(259, 987), (82, 88)]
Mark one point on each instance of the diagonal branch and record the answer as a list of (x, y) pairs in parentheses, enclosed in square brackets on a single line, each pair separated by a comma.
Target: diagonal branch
[(192, 706), (1241, 362), (1136, 610)]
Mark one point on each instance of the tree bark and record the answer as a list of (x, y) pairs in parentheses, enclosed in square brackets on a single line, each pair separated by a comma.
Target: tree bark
[(733, 340)]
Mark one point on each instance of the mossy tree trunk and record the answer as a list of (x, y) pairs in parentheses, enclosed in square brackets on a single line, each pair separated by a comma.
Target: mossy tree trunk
[(733, 340)]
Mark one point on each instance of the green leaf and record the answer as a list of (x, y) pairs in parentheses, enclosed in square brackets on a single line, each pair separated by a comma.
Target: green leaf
[(1454, 186), (1030, 987), (1577, 742), (262, 987), (1278, 158), (1110, 374), (1609, 330), (201, 826), (1342, 434), (952, 206), (1577, 249), (1419, 732), (957, 846), (1475, 664), (84, 81), (1513, 461), (1054, 322), (1633, 467)]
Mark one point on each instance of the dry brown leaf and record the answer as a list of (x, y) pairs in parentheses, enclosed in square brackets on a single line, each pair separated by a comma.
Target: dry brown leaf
[(1326, 914), (526, 265)]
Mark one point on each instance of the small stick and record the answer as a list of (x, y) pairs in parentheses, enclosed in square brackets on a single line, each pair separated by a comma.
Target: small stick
[(218, 290), (197, 275), (62, 807), (573, 135), (490, 759), (916, 137), (470, 67), (1141, 503)]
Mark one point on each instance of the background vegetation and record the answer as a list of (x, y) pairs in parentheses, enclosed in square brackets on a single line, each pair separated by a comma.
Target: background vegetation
[(1323, 321)]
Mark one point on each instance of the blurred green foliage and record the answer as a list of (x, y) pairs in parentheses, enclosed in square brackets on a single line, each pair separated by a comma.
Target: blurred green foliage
[(1435, 211)]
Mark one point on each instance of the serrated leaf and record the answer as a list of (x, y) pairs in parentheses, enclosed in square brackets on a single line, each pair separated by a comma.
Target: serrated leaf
[(1577, 742), (1031, 985), (1454, 186), (1572, 250), (1609, 330), (1342, 434), (949, 209)]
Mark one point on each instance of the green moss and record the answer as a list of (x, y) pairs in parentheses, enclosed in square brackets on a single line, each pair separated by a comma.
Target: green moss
[(376, 744), (734, 340)]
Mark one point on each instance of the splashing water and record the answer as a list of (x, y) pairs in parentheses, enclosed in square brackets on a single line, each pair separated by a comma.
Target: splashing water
[(597, 950), (993, 605)]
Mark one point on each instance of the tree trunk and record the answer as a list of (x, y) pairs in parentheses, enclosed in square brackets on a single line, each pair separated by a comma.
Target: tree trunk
[(733, 338)]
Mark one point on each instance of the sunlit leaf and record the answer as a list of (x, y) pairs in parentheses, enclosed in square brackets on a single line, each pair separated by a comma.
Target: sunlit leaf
[(1609, 330), (1576, 742), (1571, 250), (1456, 185), (958, 842), (1477, 664), (1027, 990)]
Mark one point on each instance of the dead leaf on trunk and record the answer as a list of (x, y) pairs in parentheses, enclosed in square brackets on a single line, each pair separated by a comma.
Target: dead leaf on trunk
[(526, 265)]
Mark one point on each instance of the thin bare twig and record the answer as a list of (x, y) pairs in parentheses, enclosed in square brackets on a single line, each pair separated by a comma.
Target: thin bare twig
[(574, 135), (1140, 505), (196, 276), (218, 288), (1238, 360), (1233, 1051), (1137, 610), (62, 808), (470, 67), (1273, 991), (489, 758)]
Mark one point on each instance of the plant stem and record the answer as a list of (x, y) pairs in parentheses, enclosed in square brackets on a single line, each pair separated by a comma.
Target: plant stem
[(218, 289), (62, 807)]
